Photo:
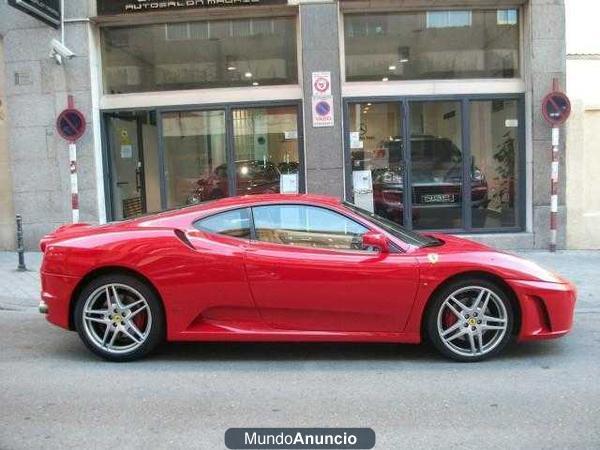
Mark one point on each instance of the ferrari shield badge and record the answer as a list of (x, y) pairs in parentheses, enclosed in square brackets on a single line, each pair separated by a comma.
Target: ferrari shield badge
[(433, 257)]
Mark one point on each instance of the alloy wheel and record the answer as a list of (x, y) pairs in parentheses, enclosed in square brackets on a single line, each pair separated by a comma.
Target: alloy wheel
[(117, 318), (472, 321)]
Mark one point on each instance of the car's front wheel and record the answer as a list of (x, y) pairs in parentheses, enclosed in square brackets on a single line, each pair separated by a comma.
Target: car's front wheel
[(470, 319), (119, 317)]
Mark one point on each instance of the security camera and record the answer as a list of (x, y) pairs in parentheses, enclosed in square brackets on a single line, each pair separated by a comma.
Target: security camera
[(59, 51)]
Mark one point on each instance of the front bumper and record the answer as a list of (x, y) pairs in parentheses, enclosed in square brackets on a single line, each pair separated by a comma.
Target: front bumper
[(546, 308)]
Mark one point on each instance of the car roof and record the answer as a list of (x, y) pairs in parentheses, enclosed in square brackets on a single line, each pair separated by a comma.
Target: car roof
[(185, 214), (247, 200)]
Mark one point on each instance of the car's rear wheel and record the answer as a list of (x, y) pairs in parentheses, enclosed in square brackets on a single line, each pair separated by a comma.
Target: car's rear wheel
[(470, 319), (119, 317)]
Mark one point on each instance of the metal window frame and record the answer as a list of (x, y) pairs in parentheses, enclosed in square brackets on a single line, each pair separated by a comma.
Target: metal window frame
[(229, 142), (464, 101)]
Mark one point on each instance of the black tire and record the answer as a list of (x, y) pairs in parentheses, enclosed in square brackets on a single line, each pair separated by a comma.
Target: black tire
[(437, 302), (155, 333)]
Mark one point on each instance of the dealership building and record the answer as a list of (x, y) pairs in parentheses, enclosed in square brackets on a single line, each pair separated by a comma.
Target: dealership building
[(426, 111)]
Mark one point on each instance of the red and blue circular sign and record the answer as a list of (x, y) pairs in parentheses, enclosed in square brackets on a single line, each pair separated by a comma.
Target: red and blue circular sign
[(322, 108), (556, 108), (70, 124), (321, 84)]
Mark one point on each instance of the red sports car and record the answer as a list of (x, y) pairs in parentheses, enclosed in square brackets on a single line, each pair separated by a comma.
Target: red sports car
[(291, 268)]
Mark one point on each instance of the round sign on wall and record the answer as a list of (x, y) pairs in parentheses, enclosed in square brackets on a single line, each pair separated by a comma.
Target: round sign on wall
[(323, 108), (70, 124), (556, 108)]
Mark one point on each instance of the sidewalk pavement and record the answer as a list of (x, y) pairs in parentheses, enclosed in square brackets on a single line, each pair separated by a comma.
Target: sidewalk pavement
[(21, 290)]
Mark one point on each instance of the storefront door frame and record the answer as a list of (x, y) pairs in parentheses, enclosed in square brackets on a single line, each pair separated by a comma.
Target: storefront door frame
[(466, 211), (229, 142)]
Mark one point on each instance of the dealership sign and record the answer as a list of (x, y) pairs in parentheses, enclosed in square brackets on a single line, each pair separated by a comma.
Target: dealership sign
[(110, 7), (48, 11)]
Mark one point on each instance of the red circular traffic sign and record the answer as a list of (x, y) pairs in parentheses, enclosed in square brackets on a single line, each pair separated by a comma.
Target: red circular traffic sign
[(70, 124), (556, 108), (321, 84)]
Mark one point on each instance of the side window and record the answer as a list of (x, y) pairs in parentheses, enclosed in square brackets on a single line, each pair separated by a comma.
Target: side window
[(307, 226), (234, 223)]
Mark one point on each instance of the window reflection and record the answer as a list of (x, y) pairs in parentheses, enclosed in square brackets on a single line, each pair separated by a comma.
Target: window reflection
[(266, 147), (495, 148), (195, 157), (191, 55), (307, 226), (432, 45), (376, 146), (436, 164)]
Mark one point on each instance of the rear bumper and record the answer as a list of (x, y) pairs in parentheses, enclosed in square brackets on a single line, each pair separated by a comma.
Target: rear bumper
[(56, 298), (546, 308)]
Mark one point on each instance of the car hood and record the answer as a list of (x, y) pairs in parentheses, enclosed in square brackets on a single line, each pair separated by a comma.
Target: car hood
[(476, 256)]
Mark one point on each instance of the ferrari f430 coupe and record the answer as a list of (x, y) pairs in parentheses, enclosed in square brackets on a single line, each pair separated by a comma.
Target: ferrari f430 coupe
[(292, 268)]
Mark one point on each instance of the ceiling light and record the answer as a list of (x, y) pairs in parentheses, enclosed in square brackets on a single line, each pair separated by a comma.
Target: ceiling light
[(369, 104), (392, 68), (385, 79), (255, 83), (248, 74), (231, 68), (403, 60)]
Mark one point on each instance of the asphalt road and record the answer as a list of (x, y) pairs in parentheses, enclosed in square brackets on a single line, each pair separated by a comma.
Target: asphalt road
[(55, 394)]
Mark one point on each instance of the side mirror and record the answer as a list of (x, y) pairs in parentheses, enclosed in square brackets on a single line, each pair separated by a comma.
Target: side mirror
[(376, 240)]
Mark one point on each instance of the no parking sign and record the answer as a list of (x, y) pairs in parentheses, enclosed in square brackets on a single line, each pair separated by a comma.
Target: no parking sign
[(322, 101), (70, 124), (322, 111)]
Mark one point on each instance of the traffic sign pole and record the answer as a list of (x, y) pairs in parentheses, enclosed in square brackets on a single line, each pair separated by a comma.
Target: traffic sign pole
[(554, 188), (74, 182), (71, 126), (556, 108)]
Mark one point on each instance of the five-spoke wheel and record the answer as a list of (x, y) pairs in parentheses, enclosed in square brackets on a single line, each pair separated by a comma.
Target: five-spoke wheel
[(119, 317), (470, 320)]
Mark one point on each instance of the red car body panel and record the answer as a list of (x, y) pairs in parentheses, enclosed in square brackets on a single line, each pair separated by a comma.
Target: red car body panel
[(216, 287)]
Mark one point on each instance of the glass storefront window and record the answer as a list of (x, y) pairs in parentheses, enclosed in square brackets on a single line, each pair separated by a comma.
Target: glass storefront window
[(432, 45), (376, 146), (265, 146), (191, 55), (495, 152), (189, 157), (133, 163), (195, 156), (436, 164), (455, 182)]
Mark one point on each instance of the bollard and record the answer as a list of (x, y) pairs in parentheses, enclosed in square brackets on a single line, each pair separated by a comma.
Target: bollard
[(20, 249)]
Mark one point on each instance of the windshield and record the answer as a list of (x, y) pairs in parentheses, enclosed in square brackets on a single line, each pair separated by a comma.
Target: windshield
[(410, 237)]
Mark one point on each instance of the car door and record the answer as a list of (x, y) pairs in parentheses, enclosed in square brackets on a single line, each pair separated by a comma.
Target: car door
[(220, 295), (308, 271)]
